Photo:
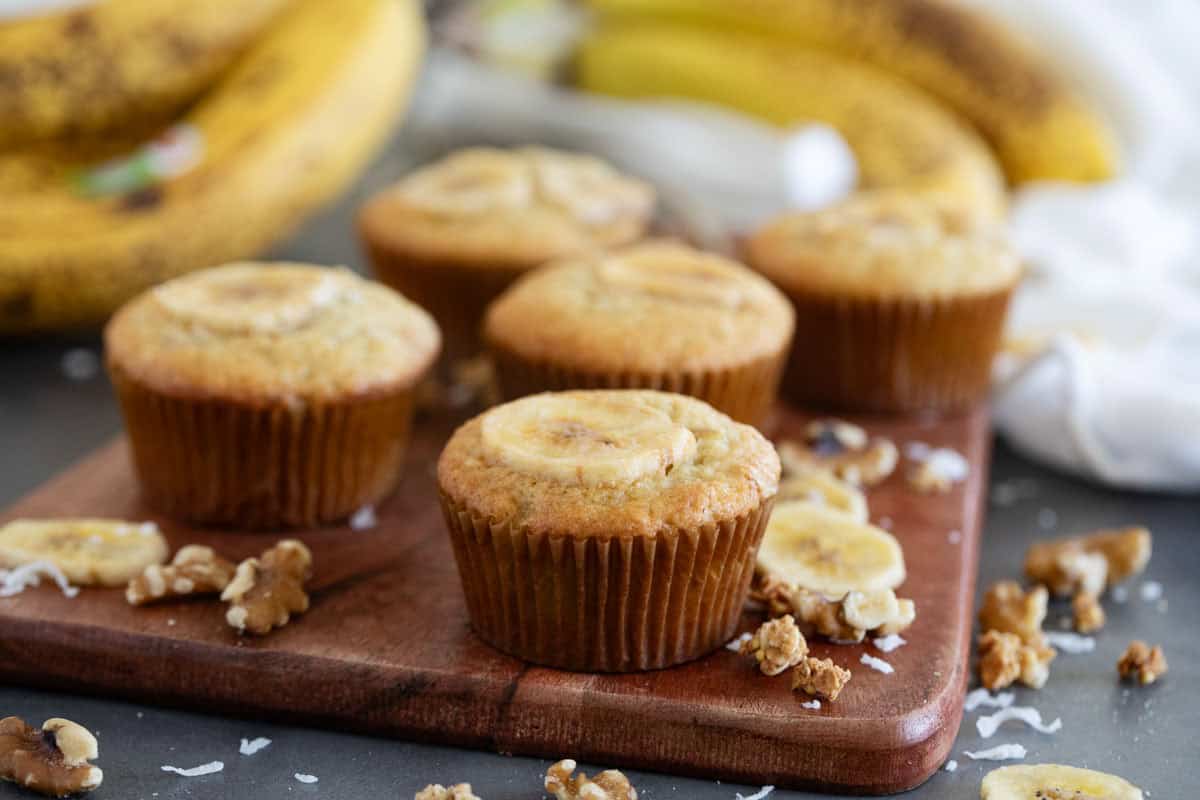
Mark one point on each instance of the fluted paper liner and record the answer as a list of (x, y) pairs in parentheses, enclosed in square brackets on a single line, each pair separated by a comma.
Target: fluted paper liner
[(745, 392), (617, 604), (875, 354), (216, 461)]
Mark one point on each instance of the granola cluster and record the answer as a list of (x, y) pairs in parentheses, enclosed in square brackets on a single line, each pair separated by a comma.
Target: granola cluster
[(777, 645), (820, 677)]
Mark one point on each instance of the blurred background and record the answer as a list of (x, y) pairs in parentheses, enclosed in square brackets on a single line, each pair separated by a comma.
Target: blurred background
[(140, 139)]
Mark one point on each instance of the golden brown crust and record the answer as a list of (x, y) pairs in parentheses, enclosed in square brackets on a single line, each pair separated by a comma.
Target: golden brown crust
[(884, 244), (272, 334), (654, 307)]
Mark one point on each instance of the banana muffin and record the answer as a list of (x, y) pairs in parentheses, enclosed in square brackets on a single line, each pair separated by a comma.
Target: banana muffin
[(657, 315), (268, 395), (455, 234), (900, 302), (606, 530)]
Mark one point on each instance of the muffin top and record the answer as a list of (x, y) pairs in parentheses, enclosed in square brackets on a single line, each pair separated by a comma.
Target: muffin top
[(269, 332), (508, 208), (885, 243), (608, 464), (653, 307)]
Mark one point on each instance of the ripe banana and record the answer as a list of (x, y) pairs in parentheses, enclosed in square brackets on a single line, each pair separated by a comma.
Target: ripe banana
[(91, 68), (88, 551), (289, 125), (826, 551), (1039, 127), (1050, 781), (900, 136), (587, 438)]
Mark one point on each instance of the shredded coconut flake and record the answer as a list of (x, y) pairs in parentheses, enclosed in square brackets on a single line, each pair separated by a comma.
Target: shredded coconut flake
[(813, 704), (890, 642), (1006, 493), (303, 778), (1151, 591), (15, 581), (917, 451), (877, 664), (955, 536), (1120, 594), (759, 795), (946, 463), (885, 523), (364, 519), (982, 697), (195, 772), (251, 746), (1072, 643), (1001, 752), (951, 765), (735, 644), (987, 726)]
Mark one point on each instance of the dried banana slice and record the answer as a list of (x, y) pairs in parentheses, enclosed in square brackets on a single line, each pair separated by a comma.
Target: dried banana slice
[(824, 489), (106, 552), (1055, 782), (828, 552)]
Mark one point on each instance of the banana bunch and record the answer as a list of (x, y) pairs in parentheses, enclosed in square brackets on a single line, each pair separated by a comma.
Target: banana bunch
[(899, 135), (1038, 127), (87, 223), (1021, 781)]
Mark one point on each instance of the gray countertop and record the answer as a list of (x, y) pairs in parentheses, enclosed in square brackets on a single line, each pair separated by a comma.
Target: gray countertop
[(1148, 735)]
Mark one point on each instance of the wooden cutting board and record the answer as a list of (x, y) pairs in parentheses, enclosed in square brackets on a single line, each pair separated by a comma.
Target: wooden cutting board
[(386, 647)]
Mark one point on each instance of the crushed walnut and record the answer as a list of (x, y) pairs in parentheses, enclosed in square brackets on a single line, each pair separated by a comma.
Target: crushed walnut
[(52, 761), (845, 619), (608, 785), (1010, 609), (1005, 659), (265, 592), (776, 645), (820, 677), (195, 570), (435, 791), (1087, 612), (842, 449), (1143, 663), (1089, 563)]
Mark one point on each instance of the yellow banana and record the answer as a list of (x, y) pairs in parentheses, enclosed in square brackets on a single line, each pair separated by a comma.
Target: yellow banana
[(900, 136), (1039, 127), (290, 124), (90, 68)]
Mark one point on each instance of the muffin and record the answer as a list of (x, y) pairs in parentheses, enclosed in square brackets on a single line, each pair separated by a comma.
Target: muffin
[(268, 395), (606, 530), (455, 234), (657, 315), (900, 302)]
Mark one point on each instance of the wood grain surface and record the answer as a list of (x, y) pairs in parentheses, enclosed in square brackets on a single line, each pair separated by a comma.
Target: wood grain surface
[(386, 647)]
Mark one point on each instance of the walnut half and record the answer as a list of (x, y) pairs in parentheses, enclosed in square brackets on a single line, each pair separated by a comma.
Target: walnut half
[(53, 760), (608, 785), (265, 592), (776, 645), (195, 570), (435, 791), (1143, 663)]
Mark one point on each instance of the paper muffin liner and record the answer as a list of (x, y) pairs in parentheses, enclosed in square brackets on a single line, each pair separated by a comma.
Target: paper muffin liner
[(617, 604), (220, 462), (876, 354), (456, 295), (745, 392)]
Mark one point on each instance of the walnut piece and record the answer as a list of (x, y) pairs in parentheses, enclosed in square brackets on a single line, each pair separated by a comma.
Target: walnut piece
[(435, 791), (1087, 612), (195, 570), (1142, 662), (823, 616), (265, 592), (777, 645), (1089, 563), (52, 761), (1010, 609), (608, 785), (820, 677), (842, 449), (845, 619), (1004, 659)]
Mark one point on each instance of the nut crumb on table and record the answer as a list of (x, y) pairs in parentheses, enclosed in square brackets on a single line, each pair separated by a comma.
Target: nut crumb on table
[(1087, 613), (608, 785), (1142, 663), (777, 645), (265, 592), (842, 449), (435, 791), (820, 677), (1008, 608), (1089, 563), (53, 760), (1004, 659), (194, 570)]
